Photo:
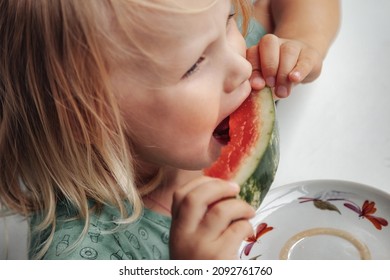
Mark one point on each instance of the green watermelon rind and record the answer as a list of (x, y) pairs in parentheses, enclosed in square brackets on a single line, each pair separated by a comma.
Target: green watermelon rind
[(258, 184), (257, 172)]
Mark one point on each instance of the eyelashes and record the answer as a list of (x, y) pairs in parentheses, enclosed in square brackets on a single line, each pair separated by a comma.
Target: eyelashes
[(232, 15), (194, 67)]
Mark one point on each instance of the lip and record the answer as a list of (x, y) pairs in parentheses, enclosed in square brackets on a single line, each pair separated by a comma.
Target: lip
[(244, 90)]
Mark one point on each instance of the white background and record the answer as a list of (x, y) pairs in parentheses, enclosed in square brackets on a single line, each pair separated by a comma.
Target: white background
[(339, 126), (334, 128)]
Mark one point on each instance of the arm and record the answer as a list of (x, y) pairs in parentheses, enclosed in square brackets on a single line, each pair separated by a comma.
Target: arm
[(303, 31), (314, 22)]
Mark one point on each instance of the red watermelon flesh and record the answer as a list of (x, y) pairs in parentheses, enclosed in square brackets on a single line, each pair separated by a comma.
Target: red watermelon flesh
[(242, 134), (251, 154)]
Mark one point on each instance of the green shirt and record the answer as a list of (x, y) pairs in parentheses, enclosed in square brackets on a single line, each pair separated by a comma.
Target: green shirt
[(255, 32), (147, 238)]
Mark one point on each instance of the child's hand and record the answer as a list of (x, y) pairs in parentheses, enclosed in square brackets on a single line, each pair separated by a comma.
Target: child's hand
[(281, 63), (208, 222)]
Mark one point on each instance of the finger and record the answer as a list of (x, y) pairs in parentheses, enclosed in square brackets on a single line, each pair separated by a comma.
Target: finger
[(256, 79), (191, 207), (180, 194), (307, 68), (237, 232), (269, 58), (289, 53), (252, 55), (222, 214), (276, 98)]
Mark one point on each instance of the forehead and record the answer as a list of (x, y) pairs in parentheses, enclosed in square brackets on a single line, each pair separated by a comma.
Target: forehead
[(178, 30), (164, 39)]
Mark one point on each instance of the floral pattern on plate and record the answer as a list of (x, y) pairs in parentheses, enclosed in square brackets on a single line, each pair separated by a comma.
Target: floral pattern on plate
[(261, 229), (353, 217), (367, 210)]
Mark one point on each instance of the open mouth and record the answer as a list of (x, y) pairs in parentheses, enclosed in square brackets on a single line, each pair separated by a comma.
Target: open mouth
[(221, 132)]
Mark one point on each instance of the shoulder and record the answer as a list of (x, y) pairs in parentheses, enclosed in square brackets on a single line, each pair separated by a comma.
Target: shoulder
[(147, 238), (76, 239)]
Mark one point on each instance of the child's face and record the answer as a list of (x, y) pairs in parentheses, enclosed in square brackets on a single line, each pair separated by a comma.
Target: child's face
[(202, 79)]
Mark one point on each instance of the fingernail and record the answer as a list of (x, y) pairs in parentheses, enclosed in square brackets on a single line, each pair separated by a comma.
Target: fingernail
[(296, 76), (270, 81), (281, 91), (258, 82)]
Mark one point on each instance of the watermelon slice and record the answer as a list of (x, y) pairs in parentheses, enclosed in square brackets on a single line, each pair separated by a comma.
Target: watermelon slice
[(251, 155)]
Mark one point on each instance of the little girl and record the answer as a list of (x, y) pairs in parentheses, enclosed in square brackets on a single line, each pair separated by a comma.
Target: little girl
[(108, 111)]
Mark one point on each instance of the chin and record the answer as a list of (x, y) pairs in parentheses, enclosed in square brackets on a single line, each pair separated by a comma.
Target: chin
[(201, 161), (198, 157), (198, 163)]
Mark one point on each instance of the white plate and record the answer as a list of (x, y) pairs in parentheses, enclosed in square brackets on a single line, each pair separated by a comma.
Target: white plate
[(321, 219)]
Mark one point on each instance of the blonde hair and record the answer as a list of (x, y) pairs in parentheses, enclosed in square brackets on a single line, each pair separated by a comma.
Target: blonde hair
[(61, 132)]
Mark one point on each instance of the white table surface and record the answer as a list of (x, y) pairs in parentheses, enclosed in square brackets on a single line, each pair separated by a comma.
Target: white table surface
[(334, 128), (338, 127)]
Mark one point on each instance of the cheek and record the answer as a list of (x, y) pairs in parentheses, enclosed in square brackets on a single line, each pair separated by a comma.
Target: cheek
[(183, 150), (174, 126), (183, 140)]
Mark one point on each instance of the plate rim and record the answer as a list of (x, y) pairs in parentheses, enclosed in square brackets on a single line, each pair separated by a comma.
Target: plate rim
[(282, 189), (362, 185)]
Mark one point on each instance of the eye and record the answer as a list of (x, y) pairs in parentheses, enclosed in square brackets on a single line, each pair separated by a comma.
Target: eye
[(193, 68), (229, 19), (232, 15)]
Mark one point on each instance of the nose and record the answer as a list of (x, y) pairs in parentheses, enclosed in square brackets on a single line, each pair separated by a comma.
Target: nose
[(238, 69)]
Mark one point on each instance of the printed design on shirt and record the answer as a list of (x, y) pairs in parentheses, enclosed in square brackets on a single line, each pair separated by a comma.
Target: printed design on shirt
[(130, 256), (165, 237), (133, 240), (118, 255), (62, 245), (143, 233), (156, 253), (117, 239), (137, 242), (89, 253), (94, 233)]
